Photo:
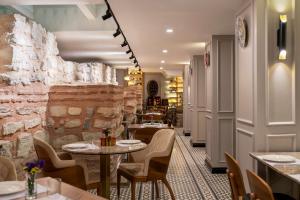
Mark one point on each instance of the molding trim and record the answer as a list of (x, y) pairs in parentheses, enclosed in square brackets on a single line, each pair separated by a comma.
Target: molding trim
[(245, 121), (219, 41), (250, 122), (221, 157), (248, 134), (293, 137)]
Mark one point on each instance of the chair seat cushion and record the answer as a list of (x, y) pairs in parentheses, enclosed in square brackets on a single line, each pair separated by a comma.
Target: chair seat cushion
[(134, 169)]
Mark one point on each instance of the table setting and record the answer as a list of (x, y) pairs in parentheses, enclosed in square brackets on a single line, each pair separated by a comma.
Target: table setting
[(285, 163), (10, 190)]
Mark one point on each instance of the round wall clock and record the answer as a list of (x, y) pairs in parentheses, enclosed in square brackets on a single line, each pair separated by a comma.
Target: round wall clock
[(242, 31)]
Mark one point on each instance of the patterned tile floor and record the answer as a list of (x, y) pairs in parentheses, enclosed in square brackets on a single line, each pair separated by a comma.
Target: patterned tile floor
[(188, 175)]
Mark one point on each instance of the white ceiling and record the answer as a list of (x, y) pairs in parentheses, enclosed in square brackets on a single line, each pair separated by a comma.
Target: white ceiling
[(82, 35)]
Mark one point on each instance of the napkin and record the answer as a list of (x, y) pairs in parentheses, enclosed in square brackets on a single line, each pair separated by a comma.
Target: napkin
[(54, 197)]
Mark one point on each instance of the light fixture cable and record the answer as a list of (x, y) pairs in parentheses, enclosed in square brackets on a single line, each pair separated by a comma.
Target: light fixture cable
[(119, 31)]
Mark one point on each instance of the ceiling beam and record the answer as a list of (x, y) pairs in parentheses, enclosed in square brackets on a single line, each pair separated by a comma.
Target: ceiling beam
[(52, 2), (25, 10), (86, 11)]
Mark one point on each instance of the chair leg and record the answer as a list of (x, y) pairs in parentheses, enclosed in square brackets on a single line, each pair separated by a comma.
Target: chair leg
[(165, 181), (118, 184), (156, 189), (132, 190), (98, 191)]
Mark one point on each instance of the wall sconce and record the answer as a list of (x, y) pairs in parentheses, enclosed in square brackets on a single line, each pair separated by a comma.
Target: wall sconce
[(281, 37)]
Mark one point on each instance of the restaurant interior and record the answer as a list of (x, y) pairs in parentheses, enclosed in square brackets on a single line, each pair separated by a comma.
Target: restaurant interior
[(139, 99)]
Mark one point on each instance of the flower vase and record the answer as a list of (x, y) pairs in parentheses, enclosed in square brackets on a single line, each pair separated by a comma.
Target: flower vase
[(31, 186)]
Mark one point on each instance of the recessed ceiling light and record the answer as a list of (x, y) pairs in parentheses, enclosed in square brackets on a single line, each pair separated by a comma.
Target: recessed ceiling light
[(161, 68), (169, 30), (165, 51), (162, 61)]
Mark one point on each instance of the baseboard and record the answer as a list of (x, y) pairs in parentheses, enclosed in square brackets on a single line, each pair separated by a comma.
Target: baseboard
[(186, 133), (197, 144), (215, 170)]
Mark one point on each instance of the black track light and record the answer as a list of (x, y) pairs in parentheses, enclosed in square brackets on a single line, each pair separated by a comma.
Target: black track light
[(124, 43), (131, 57), (135, 61), (118, 32), (107, 15), (129, 51), (137, 65)]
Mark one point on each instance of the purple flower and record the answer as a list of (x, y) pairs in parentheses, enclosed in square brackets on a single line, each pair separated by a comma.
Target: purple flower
[(41, 164)]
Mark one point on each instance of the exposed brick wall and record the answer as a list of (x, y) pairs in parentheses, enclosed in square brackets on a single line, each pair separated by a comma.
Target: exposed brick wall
[(22, 114), (79, 111), (32, 101), (132, 101)]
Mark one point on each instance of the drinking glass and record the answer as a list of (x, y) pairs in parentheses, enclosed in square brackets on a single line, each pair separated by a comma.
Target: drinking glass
[(54, 186)]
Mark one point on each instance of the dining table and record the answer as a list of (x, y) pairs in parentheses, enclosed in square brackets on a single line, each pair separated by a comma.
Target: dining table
[(66, 192), (286, 164), (132, 127), (105, 152)]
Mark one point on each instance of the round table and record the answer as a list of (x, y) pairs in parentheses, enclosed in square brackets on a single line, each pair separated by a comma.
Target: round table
[(105, 152)]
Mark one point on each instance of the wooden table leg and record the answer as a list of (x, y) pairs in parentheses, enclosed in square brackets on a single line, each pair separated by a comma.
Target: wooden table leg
[(105, 176)]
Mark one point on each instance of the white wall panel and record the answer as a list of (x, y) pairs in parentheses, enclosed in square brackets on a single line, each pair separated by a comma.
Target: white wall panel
[(226, 129), (281, 142), (245, 73), (225, 75)]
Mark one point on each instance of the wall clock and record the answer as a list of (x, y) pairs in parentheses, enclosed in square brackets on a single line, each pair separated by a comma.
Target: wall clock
[(242, 31)]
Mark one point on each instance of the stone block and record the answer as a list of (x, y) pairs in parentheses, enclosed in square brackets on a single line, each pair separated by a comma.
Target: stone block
[(50, 122), (3, 115), (12, 127), (88, 136), (40, 110), (73, 123), (89, 112), (60, 130), (42, 134), (86, 124), (108, 111), (67, 139), (4, 109), (74, 110), (6, 148), (24, 110), (31, 123), (99, 123), (25, 144), (58, 111)]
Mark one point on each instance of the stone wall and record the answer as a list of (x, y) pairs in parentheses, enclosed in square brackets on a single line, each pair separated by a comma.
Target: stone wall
[(29, 54), (43, 95), (22, 114), (132, 101), (81, 112)]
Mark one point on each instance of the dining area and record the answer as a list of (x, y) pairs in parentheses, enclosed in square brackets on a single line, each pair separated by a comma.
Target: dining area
[(59, 176), (118, 100)]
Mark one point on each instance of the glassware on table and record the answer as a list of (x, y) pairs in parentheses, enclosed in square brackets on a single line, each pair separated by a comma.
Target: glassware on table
[(31, 186), (54, 186)]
